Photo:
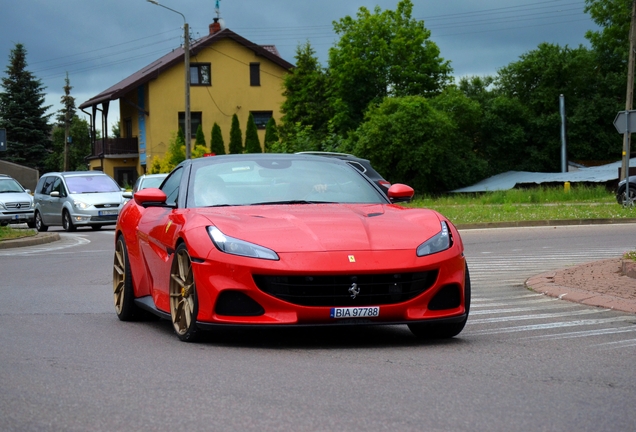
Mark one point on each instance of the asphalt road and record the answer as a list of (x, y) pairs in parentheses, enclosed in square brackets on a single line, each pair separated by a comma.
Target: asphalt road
[(524, 361)]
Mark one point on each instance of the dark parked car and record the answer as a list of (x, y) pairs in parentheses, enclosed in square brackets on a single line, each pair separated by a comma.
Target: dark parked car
[(622, 189), (362, 165)]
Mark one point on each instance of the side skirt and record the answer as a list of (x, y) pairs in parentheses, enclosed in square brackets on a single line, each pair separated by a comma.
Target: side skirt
[(146, 303)]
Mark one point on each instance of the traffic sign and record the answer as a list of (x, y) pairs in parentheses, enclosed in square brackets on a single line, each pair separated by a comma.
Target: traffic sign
[(620, 122)]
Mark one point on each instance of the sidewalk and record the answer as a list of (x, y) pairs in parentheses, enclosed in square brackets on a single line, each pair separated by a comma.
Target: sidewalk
[(598, 283)]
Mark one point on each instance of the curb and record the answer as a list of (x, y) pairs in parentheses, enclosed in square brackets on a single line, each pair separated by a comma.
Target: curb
[(545, 284), (38, 239), (544, 223)]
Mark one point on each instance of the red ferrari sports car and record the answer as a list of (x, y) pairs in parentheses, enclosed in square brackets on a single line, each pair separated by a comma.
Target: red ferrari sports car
[(286, 240)]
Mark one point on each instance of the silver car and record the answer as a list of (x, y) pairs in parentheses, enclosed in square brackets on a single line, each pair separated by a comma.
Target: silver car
[(148, 181), (16, 203), (78, 198)]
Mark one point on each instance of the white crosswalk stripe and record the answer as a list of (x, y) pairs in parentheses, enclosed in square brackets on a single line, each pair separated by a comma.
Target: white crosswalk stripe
[(499, 301)]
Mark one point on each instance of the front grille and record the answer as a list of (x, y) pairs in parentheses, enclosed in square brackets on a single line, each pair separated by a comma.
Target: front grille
[(107, 206), (18, 205), (107, 218), (374, 289)]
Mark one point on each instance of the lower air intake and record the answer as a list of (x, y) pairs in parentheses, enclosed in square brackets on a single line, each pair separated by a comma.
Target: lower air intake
[(235, 303)]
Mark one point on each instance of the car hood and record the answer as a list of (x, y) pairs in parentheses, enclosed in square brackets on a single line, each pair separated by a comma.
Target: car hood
[(15, 197), (326, 227), (97, 198)]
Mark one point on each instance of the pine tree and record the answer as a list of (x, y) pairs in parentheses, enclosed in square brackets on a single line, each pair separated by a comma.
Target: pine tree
[(65, 118), (271, 134), (23, 114), (252, 143), (200, 147), (236, 137), (217, 146)]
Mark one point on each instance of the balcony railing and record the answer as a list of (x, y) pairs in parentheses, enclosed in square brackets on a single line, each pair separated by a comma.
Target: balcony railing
[(114, 146)]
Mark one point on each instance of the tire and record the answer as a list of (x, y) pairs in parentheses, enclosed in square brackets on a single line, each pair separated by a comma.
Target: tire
[(183, 297), (67, 223), (123, 291), (39, 224), (620, 195), (447, 330), (31, 224)]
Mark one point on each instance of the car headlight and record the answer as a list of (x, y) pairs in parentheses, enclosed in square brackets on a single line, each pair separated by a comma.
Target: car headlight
[(440, 242), (235, 246), (81, 205), (2, 206)]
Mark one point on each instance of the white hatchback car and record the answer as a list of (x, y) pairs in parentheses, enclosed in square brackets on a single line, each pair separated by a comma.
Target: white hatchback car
[(16, 203), (77, 198)]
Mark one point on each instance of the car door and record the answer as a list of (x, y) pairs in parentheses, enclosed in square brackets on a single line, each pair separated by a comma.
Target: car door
[(56, 203), (157, 233), (45, 199)]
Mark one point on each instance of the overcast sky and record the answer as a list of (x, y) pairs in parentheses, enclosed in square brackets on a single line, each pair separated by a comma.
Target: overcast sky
[(100, 42)]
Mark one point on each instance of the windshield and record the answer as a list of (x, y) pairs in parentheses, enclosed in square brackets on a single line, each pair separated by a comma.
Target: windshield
[(278, 181), (10, 186), (91, 184), (152, 182)]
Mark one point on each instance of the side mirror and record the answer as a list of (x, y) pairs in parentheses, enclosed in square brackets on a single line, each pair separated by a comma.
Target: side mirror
[(400, 193), (55, 194), (127, 195), (150, 197)]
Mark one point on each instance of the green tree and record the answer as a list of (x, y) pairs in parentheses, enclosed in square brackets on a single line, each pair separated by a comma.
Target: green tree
[(79, 147), (271, 135), (461, 166), (115, 130), (611, 41), (305, 90), (236, 137), (537, 80), (217, 146), (252, 143), (23, 113), (380, 54), (407, 140), (199, 139), (173, 157)]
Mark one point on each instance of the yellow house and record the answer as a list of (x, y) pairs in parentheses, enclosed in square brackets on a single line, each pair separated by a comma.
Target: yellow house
[(229, 75)]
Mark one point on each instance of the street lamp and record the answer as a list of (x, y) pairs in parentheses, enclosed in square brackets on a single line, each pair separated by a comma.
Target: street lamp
[(186, 50)]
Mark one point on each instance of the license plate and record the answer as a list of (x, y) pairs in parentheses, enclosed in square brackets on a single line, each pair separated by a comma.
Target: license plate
[(355, 312), (19, 216), (108, 212)]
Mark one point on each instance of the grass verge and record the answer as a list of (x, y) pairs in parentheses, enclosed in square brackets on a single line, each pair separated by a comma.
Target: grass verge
[(10, 233), (541, 203)]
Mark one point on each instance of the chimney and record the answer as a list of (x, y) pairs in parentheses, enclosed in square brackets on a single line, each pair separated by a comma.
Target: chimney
[(215, 27)]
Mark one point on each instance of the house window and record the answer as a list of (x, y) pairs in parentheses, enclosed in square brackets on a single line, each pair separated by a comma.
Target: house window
[(261, 118), (195, 121), (255, 74), (200, 74)]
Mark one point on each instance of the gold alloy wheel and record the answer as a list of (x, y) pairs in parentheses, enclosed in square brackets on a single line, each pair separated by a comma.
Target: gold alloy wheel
[(119, 276), (182, 295)]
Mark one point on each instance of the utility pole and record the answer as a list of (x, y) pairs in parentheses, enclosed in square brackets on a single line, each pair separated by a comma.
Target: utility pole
[(186, 56), (630, 96), (186, 49)]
